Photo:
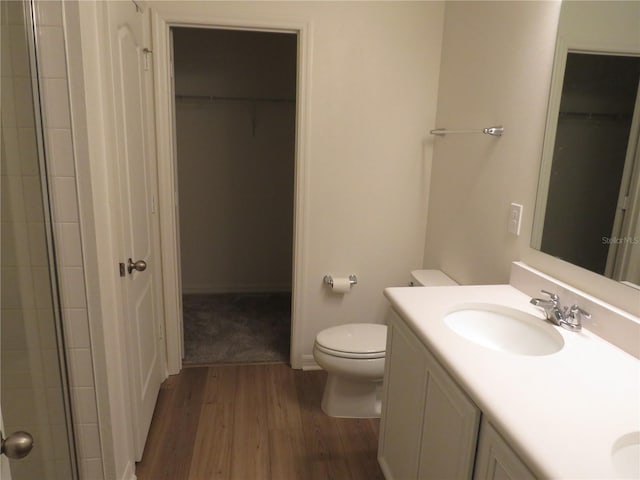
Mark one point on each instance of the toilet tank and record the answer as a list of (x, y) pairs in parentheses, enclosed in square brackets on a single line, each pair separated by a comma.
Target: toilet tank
[(431, 278)]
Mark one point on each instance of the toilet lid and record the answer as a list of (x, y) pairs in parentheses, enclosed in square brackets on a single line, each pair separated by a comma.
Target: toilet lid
[(354, 338)]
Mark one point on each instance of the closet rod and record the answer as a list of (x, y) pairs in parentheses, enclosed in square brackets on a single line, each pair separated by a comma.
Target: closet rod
[(596, 116), (213, 98)]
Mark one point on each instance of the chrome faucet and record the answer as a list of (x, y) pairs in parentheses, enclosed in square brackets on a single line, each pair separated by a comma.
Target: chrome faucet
[(565, 317)]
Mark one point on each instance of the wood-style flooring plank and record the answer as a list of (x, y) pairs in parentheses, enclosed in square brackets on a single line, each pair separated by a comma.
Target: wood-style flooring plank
[(172, 446), (158, 430), (326, 453), (287, 454), (250, 446), (212, 450), (282, 398), (359, 436), (254, 422)]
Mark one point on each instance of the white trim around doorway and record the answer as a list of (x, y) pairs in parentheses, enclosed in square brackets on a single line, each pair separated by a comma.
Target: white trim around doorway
[(167, 176)]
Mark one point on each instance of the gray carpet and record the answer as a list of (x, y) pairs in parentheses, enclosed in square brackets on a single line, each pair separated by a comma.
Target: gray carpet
[(236, 327)]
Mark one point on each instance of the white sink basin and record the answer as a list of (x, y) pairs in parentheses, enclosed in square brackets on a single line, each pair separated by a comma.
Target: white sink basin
[(626, 455), (504, 329)]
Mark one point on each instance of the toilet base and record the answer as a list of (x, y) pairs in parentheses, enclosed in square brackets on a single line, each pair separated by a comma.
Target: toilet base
[(349, 398)]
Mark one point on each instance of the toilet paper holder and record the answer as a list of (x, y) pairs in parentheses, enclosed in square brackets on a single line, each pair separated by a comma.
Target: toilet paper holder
[(328, 279)]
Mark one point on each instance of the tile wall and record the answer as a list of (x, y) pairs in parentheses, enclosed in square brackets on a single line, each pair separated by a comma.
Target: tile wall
[(66, 222)]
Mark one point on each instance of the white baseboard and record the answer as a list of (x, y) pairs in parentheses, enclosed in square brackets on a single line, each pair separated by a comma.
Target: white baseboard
[(237, 288), (309, 363), (129, 472)]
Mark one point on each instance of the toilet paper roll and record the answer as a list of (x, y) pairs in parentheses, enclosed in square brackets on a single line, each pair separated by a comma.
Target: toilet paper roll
[(341, 285)]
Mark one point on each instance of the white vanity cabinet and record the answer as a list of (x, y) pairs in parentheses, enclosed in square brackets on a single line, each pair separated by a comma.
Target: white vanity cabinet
[(439, 383), (429, 426), (496, 460)]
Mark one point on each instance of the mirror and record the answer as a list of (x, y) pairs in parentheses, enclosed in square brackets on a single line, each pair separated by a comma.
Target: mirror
[(588, 204)]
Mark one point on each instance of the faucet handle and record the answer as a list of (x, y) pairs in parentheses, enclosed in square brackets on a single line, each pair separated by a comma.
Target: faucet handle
[(573, 319), (576, 312), (554, 298)]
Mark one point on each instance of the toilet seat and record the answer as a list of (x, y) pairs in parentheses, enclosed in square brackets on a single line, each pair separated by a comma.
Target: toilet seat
[(352, 355), (353, 340)]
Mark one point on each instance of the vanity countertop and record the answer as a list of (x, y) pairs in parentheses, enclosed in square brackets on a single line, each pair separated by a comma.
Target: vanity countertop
[(562, 412)]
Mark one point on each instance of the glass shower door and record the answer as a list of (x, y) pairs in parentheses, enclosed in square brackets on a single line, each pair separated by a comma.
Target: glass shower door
[(33, 388)]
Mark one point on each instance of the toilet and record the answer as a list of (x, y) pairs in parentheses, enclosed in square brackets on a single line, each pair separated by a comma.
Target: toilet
[(353, 356)]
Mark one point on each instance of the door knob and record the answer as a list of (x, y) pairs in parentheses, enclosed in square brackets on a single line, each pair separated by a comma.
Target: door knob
[(139, 266), (17, 445)]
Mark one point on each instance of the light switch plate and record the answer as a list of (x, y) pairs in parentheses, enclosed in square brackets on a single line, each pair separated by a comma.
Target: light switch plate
[(515, 218)]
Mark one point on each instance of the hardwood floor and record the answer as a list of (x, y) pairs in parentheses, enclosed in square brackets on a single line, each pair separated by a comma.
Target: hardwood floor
[(254, 422)]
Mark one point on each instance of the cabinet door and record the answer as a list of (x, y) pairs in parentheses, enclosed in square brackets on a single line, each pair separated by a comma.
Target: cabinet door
[(402, 403), (449, 430), (496, 460)]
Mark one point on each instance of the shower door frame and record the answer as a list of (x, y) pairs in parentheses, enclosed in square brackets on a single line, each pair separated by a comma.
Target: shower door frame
[(167, 169), (32, 51)]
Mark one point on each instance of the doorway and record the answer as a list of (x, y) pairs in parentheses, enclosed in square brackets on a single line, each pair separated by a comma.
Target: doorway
[(235, 128)]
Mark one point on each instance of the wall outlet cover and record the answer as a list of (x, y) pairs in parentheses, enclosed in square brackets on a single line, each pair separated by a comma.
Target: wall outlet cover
[(515, 218)]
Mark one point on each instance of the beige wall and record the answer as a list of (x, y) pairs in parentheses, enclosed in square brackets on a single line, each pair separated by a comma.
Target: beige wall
[(370, 99), (496, 69), (235, 158)]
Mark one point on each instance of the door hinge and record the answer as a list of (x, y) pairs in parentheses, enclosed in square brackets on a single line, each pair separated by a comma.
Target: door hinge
[(624, 203), (147, 58)]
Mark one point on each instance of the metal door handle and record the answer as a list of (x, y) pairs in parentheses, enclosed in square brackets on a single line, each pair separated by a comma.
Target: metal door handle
[(139, 266), (17, 445)]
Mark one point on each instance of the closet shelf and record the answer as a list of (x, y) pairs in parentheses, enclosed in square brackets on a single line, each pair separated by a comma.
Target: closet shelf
[(597, 116), (214, 98)]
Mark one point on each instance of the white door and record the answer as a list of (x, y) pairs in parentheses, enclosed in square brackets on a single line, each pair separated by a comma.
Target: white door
[(132, 79)]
